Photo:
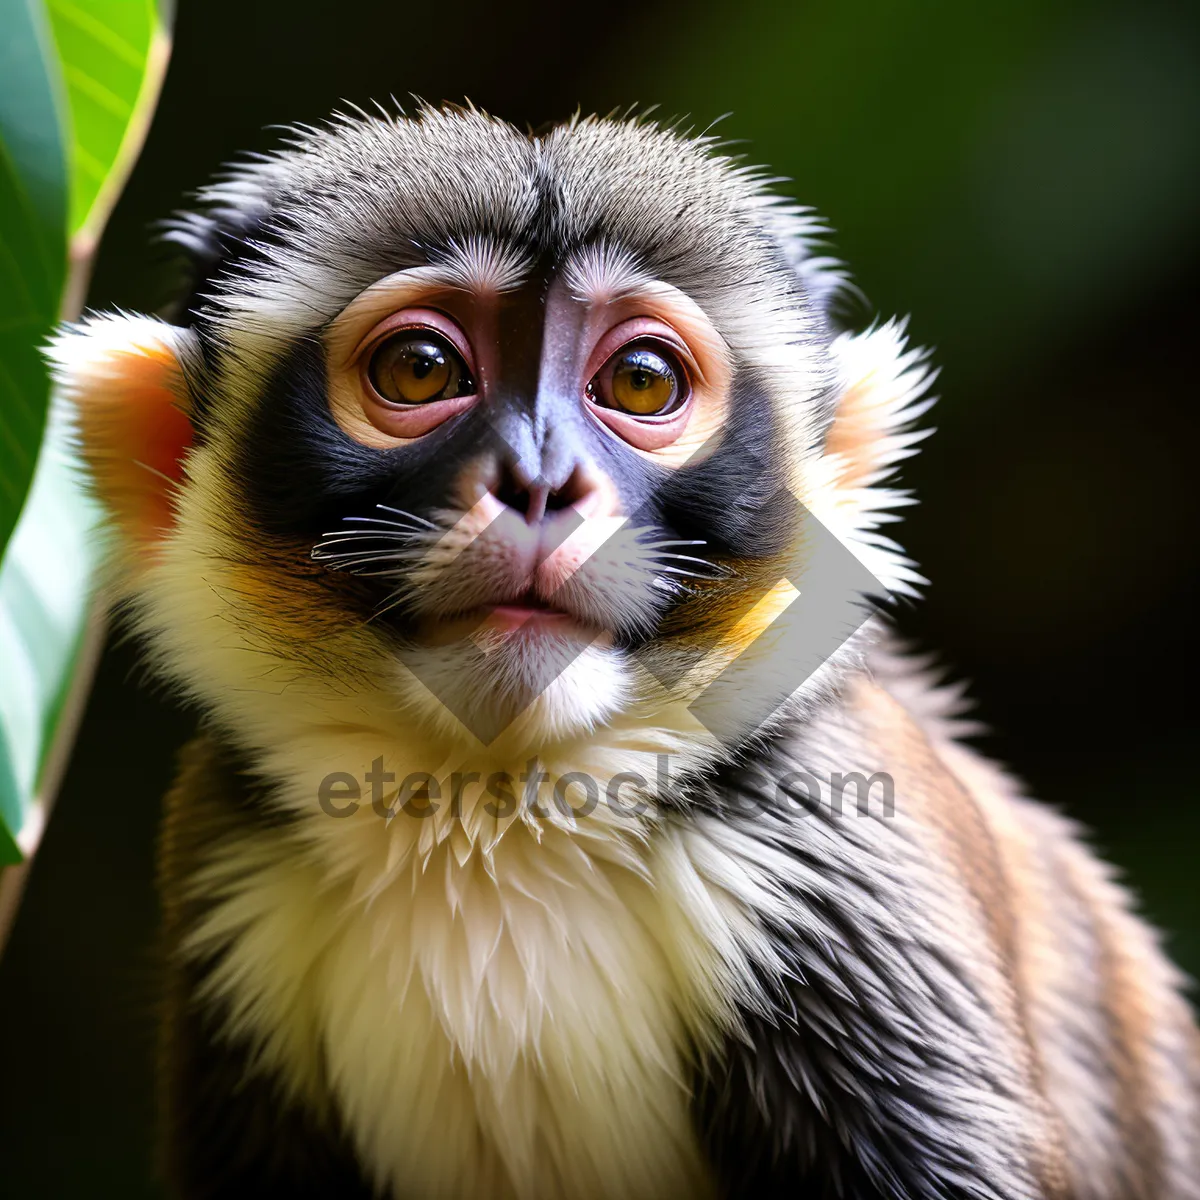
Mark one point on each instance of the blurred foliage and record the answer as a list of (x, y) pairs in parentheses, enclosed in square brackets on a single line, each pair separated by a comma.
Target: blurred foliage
[(33, 240), (75, 86), (1039, 147)]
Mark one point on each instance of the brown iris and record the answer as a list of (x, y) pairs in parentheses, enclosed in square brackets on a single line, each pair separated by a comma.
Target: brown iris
[(417, 367), (641, 380)]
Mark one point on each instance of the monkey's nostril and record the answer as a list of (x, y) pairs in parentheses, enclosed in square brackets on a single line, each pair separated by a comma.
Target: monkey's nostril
[(536, 499), (578, 486), (513, 494), (530, 500)]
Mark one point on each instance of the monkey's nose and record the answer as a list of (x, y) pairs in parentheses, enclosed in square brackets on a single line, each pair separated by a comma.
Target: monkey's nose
[(537, 499)]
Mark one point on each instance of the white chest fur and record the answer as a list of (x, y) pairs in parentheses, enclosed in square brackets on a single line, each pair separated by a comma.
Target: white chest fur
[(503, 1015)]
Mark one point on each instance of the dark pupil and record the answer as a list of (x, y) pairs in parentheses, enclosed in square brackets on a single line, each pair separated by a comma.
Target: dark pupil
[(640, 378), (423, 361)]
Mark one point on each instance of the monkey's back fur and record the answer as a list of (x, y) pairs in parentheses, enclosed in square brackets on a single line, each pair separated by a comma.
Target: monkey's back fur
[(753, 981)]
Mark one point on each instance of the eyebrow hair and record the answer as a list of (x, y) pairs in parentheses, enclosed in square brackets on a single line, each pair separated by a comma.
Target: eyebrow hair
[(603, 271), (483, 265)]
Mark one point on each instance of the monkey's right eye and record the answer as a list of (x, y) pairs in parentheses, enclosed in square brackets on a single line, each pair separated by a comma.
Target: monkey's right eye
[(417, 366)]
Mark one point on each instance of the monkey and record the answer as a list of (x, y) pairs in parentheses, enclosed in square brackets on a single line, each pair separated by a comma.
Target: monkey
[(564, 818)]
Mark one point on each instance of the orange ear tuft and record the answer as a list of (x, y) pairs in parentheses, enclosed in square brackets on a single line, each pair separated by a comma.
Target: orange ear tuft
[(125, 377)]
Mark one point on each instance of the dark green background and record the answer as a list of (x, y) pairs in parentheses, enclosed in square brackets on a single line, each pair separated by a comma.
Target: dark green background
[(1022, 177)]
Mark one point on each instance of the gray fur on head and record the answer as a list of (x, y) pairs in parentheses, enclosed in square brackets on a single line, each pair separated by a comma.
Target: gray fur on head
[(297, 233)]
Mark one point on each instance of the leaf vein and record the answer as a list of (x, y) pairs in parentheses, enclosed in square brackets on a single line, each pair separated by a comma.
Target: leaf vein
[(97, 92), (98, 31)]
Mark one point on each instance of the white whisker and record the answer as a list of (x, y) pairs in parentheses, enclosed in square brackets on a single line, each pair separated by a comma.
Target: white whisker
[(683, 573), (365, 535), (704, 562), (663, 545), (348, 564), (389, 524), (399, 597), (410, 516)]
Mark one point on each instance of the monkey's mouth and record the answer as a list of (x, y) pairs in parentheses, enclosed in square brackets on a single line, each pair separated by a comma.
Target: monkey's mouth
[(527, 610), (528, 615)]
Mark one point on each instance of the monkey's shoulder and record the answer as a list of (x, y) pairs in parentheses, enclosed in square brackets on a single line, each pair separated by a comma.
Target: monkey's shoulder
[(227, 1129)]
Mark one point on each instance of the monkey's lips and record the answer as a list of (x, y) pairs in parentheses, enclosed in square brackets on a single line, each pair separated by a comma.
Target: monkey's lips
[(527, 616), (508, 618)]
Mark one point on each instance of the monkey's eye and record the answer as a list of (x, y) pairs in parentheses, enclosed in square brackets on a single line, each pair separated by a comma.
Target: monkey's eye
[(645, 381), (416, 366)]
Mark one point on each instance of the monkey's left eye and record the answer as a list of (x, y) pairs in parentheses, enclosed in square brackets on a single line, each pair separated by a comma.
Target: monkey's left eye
[(417, 366), (644, 381)]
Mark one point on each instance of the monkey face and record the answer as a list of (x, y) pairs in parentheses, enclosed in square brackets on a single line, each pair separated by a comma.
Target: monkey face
[(531, 444), (505, 436)]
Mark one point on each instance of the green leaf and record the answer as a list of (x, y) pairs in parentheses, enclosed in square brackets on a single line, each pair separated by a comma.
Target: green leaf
[(78, 82), (103, 46), (45, 585), (33, 239)]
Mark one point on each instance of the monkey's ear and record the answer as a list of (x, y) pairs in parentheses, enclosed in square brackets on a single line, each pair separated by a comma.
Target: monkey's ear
[(884, 392), (126, 378)]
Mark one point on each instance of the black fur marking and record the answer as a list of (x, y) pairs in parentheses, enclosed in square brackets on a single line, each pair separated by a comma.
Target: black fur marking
[(304, 476), (725, 497)]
